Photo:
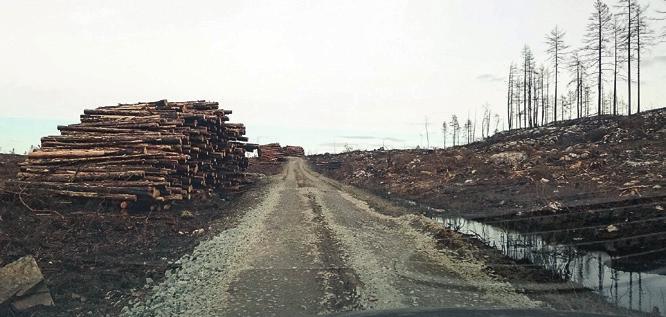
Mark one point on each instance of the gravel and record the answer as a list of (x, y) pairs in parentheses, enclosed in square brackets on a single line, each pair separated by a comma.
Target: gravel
[(194, 289)]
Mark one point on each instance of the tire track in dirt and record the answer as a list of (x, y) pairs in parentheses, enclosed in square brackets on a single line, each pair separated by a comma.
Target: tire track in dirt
[(341, 281), (402, 266)]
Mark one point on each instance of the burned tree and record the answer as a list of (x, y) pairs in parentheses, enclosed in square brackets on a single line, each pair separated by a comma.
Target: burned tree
[(444, 134), (468, 131), (644, 38), (528, 60), (596, 40), (455, 129), (518, 101), (546, 108), (485, 121), (509, 98), (618, 30), (556, 49), (627, 13), (576, 69)]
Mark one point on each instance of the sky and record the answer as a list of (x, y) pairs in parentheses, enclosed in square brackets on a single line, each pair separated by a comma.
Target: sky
[(321, 74)]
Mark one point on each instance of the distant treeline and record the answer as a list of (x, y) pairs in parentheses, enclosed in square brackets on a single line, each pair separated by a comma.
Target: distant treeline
[(604, 73)]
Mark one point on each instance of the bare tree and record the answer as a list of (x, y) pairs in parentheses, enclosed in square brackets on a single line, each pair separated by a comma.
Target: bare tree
[(627, 13), (528, 60), (597, 38), (470, 136), (644, 39), (455, 127), (466, 131), (536, 74), (544, 118), (485, 121), (618, 30), (497, 122), (556, 50), (473, 126), (518, 101), (444, 133), (542, 72), (509, 98), (576, 69), (587, 100), (564, 106)]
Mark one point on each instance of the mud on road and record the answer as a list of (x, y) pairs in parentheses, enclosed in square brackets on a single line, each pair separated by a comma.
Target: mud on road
[(311, 246)]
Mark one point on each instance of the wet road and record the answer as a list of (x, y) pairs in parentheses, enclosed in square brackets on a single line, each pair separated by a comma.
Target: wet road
[(311, 247)]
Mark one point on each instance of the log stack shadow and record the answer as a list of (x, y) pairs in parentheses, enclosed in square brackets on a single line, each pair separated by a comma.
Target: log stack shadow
[(142, 155)]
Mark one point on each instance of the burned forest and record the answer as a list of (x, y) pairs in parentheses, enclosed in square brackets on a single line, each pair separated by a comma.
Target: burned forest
[(333, 158)]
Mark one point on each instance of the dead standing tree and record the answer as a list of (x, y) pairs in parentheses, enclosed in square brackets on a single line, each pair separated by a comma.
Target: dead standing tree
[(468, 131), (556, 50), (546, 108), (528, 60), (596, 40), (618, 59), (485, 121), (542, 72), (644, 39), (510, 97), (455, 129), (576, 68), (444, 134), (627, 13), (518, 101)]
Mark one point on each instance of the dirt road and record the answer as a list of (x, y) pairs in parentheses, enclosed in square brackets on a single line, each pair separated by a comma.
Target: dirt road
[(310, 247)]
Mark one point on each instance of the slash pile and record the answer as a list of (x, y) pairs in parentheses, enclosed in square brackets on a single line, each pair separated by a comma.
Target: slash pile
[(275, 152), (149, 153)]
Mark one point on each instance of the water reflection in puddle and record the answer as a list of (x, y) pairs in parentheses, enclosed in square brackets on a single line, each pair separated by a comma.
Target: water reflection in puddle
[(634, 290)]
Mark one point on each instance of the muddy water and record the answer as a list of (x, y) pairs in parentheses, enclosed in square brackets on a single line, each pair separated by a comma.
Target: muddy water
[(644, 291)]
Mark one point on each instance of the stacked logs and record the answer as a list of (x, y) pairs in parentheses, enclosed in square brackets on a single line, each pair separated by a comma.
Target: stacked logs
[(273, 152), (149, 152), (291, 150)]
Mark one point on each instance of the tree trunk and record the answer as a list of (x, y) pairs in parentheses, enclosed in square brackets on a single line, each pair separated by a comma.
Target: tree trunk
[(629, 58), (599, 95), (638, 62), (556, 72)]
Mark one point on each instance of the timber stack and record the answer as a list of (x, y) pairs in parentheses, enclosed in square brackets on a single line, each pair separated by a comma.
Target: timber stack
[(143, 154), (273, 152), (291, 150)]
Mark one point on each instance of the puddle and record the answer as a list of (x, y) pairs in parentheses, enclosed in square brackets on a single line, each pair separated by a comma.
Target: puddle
[(644, 291)]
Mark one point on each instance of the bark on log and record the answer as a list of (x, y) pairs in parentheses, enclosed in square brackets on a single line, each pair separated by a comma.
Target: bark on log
[(153, 151)]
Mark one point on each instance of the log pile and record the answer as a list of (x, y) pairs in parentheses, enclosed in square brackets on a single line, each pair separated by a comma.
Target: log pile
[(149, 152), (273, 152), (291, 150)]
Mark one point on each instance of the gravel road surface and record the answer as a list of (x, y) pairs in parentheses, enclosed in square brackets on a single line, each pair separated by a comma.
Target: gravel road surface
[(311, 247)]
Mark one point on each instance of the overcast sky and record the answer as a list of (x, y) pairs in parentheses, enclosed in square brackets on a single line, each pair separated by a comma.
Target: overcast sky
[(315, 73)]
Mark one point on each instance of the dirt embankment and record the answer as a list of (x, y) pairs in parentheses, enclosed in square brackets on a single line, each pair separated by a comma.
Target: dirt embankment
[(94, 261), (602, 178)]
